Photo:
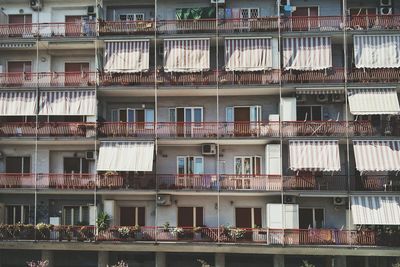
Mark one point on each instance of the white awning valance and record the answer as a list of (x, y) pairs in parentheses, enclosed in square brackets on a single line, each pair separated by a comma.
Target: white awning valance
[(373, 101), (377, 51), (127, 56), (307, 53), (377, 155), (314, 155), (126, 156), (186, 55), (375, 210), (252, 54), (17, 103), (319, 91), (68, 103)]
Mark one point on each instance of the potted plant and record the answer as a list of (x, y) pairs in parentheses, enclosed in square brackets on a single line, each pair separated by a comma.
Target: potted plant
[(103, 221), (124, 232), (238, 233), (43, 231), (136, 232), (197, 233), (178, 232), (165, 233)]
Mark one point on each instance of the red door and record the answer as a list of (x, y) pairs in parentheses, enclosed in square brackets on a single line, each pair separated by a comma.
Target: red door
[(242, 121), (19, 72), (76, 74), (73, 26), (20, 25)]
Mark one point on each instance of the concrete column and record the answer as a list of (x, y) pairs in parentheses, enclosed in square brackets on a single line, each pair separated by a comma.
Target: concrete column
[(219, 260), (366, 261), (49, 256), (339, 261), (161, 259), (102, 259), (279, 261)]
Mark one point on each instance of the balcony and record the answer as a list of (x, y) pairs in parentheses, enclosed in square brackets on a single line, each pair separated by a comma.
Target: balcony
[(49, 30), (224, 235), (374, 22), (374, 75), (47, 129), (126, 27), (320, 23), (47, 79), (334, 75)]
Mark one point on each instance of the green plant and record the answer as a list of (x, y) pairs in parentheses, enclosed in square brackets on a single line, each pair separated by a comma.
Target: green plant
[(103, 221), (307, 264), (37, 263), (166, 226), (120, 264), (238, 233), (135, 228), (178, 231), (124, 232)]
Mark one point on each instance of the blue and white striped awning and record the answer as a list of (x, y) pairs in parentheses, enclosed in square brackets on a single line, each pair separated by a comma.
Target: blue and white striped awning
[(81, 103), (373, 101), (17, 103), (375, 210), (314, 155)]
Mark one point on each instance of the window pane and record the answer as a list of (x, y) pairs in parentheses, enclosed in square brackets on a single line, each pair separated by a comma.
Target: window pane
[(27, 165), (303, 113), (149, 115), (238, 166), (316, 113), (131, 115), (198, 115), (198, 166), (319, 218), (67, 214), (114, 115), (172, 115), (10, 215), (14, 164), (85, 166), (76, 216), (229, 114), (246, 164), (188, 115), (26, 215), (181, 165)]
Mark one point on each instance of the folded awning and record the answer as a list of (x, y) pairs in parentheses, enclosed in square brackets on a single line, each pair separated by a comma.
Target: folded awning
[(377, 155), (17, 103), (319, 91), (253, 54), (307, 53), (126, 156), (373, 101), (377, 51), (314, 155), (186, 55), (375, 210), (81, 103), (127, 56)]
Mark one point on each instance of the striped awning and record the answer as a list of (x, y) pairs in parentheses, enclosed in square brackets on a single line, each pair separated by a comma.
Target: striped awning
[(127, 56), (319, 91), (68, 103), (248, 54), (307, 53), (373, 101), (314, 155), (17, 45), (17, 103), (126, 156), (377, 155), (375, 210), (377, 51), (186, 55)]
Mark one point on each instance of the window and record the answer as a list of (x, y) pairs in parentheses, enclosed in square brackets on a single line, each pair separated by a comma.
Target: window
[(18, 165), (306, 12), (248, 165), (76, 165), (17, 214), (249, 13), (130, 216), (248, 217), (311, 218), (190, 217), (132, 115), (188, 114), (74, 215), (190, 165), (132, 17), (243, 114), (309, 113)]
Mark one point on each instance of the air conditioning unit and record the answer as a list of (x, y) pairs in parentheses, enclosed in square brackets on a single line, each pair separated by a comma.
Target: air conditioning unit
[(339, 201), (385, 11), (36, 4), (322, 98), (385, 2), (217, 1), (164, 200), (301, 98), (289, 199), (209, 149), (337, 98), (90, 155), (91, 11)]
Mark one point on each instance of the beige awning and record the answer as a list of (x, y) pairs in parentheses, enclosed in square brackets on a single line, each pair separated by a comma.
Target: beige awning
[(17, 103), (375, 210), (373, 101)]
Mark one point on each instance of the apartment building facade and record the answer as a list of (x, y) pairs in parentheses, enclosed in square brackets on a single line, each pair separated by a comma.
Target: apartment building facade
[(224, 133)]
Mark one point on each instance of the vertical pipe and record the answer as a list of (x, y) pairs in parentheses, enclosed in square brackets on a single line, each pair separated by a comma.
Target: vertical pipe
[(155, 117), (217, 114), (36, 119)]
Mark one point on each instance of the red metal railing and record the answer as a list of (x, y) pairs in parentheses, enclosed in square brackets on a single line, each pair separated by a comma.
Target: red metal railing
[(316, 183), (127, 79), (374, 22), (66, 181), (48, 79), (257, 182), (186, 26), (374, 75), (49, 30), (17, 180), (126, 27), (320, 23), (126, 129), (248, 78), (334, 75), (187, 181)]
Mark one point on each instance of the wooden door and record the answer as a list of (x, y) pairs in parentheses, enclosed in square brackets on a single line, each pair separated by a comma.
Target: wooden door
[(185, 217), (242, 121), (243, 218), (76, 73), (127, 216), (73, 26), (180, 122), (139, 119)]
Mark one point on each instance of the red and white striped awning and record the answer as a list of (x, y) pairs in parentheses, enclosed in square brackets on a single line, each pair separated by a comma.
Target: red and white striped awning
[(375, 210), (127, 56), (307, 53), (377, 51), (68, 103), (248, 54), (17, 103), (186, 55), (373, 101), (377, 155), (314, 155)]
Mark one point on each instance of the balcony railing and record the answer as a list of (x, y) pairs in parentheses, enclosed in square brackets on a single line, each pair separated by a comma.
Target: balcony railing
[(315, 183), (264, 236), (126, 27), (47, 79), (257, 182), (374, 75), (334, 75), (47, 129), (48, 30), (374, 22), (320, 23)]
